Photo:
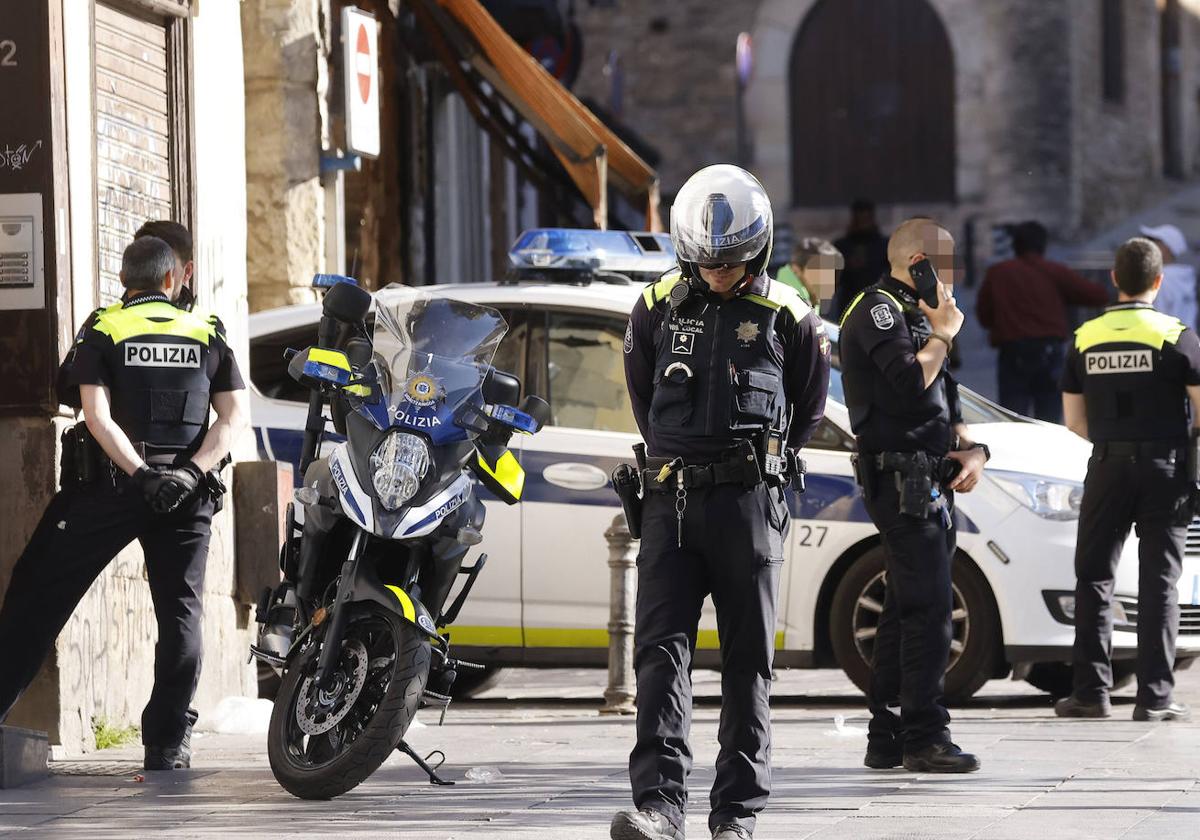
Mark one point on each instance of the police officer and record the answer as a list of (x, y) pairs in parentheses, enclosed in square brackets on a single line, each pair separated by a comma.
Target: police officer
[(904, 409), (727, 373), (146, 373), (1127, 383)]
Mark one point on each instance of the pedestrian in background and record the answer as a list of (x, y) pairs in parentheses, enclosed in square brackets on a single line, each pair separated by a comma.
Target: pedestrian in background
[(1177, 297), (812, 270), (1023, 304), (864, 248), (1129, 378)]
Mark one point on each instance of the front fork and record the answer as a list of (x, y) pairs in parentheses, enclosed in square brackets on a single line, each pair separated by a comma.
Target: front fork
[(331, 647)]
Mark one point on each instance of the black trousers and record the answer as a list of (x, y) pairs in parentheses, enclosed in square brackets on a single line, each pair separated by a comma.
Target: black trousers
[(733, 550), (80, 533), (1120, 491), (1028, 372), (912, 645)]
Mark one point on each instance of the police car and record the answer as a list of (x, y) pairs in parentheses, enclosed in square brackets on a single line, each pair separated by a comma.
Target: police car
[(543, 600)]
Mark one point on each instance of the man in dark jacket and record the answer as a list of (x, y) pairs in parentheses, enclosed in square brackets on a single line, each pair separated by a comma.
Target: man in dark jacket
[(864, 249)]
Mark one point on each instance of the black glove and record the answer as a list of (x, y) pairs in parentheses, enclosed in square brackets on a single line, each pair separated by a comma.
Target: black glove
[(166, 488)]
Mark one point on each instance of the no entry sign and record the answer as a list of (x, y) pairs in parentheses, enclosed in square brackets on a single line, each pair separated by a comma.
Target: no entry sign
[(360, 69)]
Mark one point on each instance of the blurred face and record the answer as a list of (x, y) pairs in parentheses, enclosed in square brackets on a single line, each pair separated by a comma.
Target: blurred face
[(722, 278), (181, 276), (937, 246)]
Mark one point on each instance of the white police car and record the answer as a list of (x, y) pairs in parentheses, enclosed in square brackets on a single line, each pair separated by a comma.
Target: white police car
[(543, 600)]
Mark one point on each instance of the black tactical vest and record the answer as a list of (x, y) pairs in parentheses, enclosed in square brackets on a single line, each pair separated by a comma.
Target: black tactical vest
[(718, 372), (1129, 391), (159, 361)]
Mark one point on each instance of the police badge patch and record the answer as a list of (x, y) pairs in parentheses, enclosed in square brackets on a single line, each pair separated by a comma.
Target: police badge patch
[(629, 337), (881, 314), (747, 331)]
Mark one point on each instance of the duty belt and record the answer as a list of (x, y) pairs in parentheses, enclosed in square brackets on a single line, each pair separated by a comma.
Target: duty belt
[(1140, 448), (698, 475)]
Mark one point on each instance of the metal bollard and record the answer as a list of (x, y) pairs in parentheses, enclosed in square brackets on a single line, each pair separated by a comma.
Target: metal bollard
[(622, 559)]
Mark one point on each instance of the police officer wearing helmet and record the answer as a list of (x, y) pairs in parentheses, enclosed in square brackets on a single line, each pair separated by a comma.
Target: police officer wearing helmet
[(914, 453), (141, 467), (1127, 384), (727, 373)]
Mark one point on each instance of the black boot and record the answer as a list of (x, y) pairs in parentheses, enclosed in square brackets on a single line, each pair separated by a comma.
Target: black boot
[(940, 758), (178, 757), (646, 824), (1171, 711), (884, 756)]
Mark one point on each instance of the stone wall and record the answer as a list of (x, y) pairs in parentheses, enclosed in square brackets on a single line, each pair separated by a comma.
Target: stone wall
[(1033, 135), (283, 45)]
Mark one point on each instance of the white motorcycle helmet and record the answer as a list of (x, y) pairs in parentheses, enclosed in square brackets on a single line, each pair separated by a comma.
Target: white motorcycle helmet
[(722, 215)]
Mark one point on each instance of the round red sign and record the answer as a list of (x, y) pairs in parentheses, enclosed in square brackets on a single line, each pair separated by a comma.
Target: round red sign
[(363, 63)]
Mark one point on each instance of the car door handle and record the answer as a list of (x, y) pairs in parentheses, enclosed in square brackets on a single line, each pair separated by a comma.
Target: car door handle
[(575, 476)]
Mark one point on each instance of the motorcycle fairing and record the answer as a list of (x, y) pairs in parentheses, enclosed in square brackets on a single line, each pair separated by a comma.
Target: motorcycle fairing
[(412, 522), (498, 469), (368, 587)]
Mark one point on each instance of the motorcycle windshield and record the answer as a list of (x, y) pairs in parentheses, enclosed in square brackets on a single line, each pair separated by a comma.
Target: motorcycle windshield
[(431, 354)]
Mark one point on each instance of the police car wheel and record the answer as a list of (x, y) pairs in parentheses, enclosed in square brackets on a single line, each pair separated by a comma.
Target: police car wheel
[(1057, 678), (858, 603)]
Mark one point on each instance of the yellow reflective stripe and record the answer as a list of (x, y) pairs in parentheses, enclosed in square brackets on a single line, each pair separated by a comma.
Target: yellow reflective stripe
[(487, 636), (358, 390), (507, 472), (121, 324), (787, 297), (333, 358), (562, 637), (410, 612), (659, 289), (1129, 326), (863, 294)]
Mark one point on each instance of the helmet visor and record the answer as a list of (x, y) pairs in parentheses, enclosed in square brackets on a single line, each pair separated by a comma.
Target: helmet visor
[(721, 216)]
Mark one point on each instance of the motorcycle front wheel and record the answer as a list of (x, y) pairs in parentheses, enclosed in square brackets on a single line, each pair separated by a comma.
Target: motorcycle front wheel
[(324, 742)]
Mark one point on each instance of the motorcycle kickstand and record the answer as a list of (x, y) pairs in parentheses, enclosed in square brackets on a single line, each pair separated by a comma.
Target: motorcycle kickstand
[(434, 778)]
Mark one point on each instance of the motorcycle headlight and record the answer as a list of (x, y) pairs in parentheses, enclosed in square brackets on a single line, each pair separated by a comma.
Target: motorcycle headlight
[(397, 467), (1049, 498)]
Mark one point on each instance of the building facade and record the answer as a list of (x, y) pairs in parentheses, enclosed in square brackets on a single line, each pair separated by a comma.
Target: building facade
[(1075, 112), (130, 108)]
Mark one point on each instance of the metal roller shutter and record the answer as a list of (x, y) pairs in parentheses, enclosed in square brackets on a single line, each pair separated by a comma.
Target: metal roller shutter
[(133, 139)]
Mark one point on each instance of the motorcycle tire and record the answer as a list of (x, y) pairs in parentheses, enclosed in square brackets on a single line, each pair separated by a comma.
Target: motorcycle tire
[(378, 736)]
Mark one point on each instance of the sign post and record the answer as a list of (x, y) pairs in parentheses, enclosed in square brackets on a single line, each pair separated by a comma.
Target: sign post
[(360, 70)]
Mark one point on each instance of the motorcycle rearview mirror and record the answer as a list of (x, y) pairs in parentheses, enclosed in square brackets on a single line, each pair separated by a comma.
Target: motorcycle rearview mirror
[(537, 408), (359, 352), (319, 368), (346, 303)]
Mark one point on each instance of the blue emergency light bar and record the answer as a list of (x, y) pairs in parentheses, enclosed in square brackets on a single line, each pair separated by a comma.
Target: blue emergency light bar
[(579, 250), (328, 281)]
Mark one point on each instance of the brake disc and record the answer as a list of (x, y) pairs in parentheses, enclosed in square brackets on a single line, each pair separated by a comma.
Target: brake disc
[(317, 714)]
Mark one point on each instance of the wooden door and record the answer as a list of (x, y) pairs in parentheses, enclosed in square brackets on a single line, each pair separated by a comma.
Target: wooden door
[(872, 104)]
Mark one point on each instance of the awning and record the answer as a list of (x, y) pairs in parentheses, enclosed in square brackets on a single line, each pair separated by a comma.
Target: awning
[(588, 150)]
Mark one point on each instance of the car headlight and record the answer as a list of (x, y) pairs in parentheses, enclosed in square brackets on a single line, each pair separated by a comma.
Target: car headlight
[(1049, 498), (397, 467)]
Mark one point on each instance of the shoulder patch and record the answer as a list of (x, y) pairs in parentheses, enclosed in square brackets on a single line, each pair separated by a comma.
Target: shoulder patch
[(881, 314), (629, 336)]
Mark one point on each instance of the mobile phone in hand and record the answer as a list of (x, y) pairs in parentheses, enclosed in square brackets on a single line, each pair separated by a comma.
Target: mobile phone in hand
[(925, 277)]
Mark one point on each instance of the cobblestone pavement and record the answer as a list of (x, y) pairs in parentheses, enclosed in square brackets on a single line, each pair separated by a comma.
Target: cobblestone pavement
[(558, 771)]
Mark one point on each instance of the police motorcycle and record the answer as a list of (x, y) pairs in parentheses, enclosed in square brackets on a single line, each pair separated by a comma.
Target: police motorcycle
[(388, 517)]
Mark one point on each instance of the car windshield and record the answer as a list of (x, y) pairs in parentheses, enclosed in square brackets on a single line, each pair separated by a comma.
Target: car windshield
[(975, 407), (430, 356)]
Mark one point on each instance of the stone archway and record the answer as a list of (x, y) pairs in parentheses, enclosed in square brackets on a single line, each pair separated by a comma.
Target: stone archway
[(871, 94), (777, 26)]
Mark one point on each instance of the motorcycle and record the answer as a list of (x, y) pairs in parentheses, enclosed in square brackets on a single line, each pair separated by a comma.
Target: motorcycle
[(377, 535)]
